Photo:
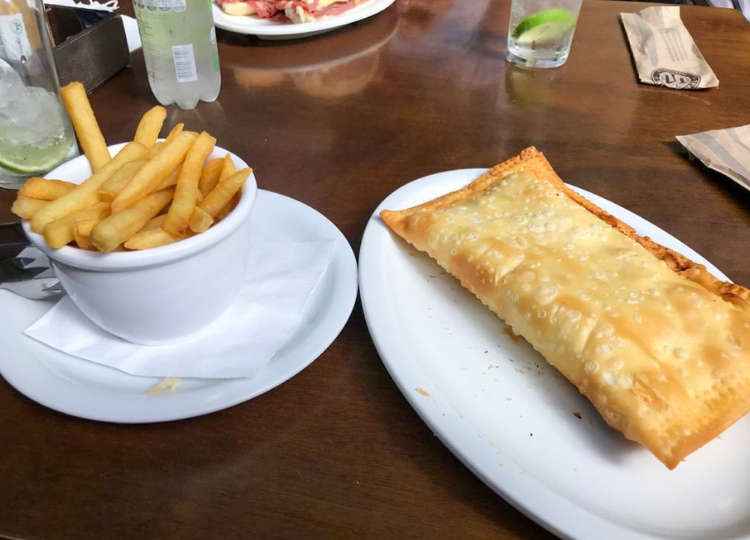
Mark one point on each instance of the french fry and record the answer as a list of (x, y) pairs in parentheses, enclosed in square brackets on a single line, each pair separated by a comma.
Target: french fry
[(85, 226), (83, 234), (186, 192), (210, 175), (150, 126), (150, 239), (155, 223), (86, 194), (200, 220), (170, 180), (84, 122), (167, 384), (117, 229), (174, 132), (65, 205), (228, 170), (26, 207), (224, 212), (117, 182), (46, 190), (223, 193), (84, 243), (157, 148), (151, 193), (154, 172), (62, 231)]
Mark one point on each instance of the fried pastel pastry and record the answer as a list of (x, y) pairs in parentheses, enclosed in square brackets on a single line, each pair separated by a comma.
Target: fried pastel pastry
[(657, 344)]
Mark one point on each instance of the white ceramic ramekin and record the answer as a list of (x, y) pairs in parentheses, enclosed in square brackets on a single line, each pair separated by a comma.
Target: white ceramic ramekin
[(162, 295)]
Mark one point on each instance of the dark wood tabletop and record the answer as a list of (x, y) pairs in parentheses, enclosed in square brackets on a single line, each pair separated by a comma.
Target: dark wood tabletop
[(338, 122)]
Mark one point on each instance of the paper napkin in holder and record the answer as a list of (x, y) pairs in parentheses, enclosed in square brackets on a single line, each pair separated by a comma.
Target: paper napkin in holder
[(724, 150), (664, 52), (281, 276)]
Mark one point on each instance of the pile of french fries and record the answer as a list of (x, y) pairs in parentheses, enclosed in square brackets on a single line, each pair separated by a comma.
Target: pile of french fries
[(150, 194)]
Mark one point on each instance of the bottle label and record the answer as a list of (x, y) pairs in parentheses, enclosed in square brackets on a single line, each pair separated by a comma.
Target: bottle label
[(165, 6), (14, 43), (184, 63)]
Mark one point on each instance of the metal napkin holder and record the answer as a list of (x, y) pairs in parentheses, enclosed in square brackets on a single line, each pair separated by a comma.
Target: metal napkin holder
[(90, 55)]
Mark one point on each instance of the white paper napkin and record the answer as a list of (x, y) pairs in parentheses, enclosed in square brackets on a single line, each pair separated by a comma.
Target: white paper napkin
[(281, 276)]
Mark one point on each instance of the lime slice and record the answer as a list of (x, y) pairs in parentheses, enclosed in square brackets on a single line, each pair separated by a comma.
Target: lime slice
[(542, 26), (29, 160)]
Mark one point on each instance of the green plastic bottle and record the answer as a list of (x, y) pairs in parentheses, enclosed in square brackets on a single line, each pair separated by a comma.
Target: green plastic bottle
[(179, 45)]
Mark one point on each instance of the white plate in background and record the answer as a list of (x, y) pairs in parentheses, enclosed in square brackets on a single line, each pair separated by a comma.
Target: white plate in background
[(274, 30), (512, 419)]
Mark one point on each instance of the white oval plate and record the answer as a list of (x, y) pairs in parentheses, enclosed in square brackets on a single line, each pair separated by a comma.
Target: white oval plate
[(509, 417), (87, 390), (274, 30)]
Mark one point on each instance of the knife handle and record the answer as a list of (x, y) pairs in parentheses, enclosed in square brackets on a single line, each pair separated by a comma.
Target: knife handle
[(12, 239)]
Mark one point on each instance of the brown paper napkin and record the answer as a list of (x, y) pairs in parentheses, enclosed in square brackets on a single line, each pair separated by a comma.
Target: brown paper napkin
[(664, 52), (724, 150)]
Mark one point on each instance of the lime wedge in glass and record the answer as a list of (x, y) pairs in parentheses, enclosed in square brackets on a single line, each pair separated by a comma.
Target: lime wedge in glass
[(547, 25), (28, 159)]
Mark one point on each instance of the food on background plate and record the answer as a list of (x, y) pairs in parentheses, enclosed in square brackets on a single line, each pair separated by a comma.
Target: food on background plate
[(263, 9), (302, 11), (658, 345), (286, 11), (148, 195)]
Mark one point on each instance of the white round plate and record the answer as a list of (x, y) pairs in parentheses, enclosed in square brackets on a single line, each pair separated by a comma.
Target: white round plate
[(273, 30), (513, 420), (87, 390)]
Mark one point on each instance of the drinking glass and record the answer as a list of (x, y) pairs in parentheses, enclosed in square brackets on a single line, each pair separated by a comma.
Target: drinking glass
[(541, 32), (35, 131)]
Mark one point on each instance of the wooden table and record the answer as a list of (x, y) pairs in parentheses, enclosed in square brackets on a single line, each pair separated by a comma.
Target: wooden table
[(338, 122)]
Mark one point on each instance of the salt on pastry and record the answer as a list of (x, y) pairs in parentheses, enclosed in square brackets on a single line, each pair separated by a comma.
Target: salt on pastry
[(655, 342)]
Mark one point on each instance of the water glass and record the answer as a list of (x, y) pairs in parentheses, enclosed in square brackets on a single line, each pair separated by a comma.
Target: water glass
[(541, 32), (35, 131)]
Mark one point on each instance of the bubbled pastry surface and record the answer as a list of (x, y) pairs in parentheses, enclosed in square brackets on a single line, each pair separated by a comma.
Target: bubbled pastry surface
[(663, 359)]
